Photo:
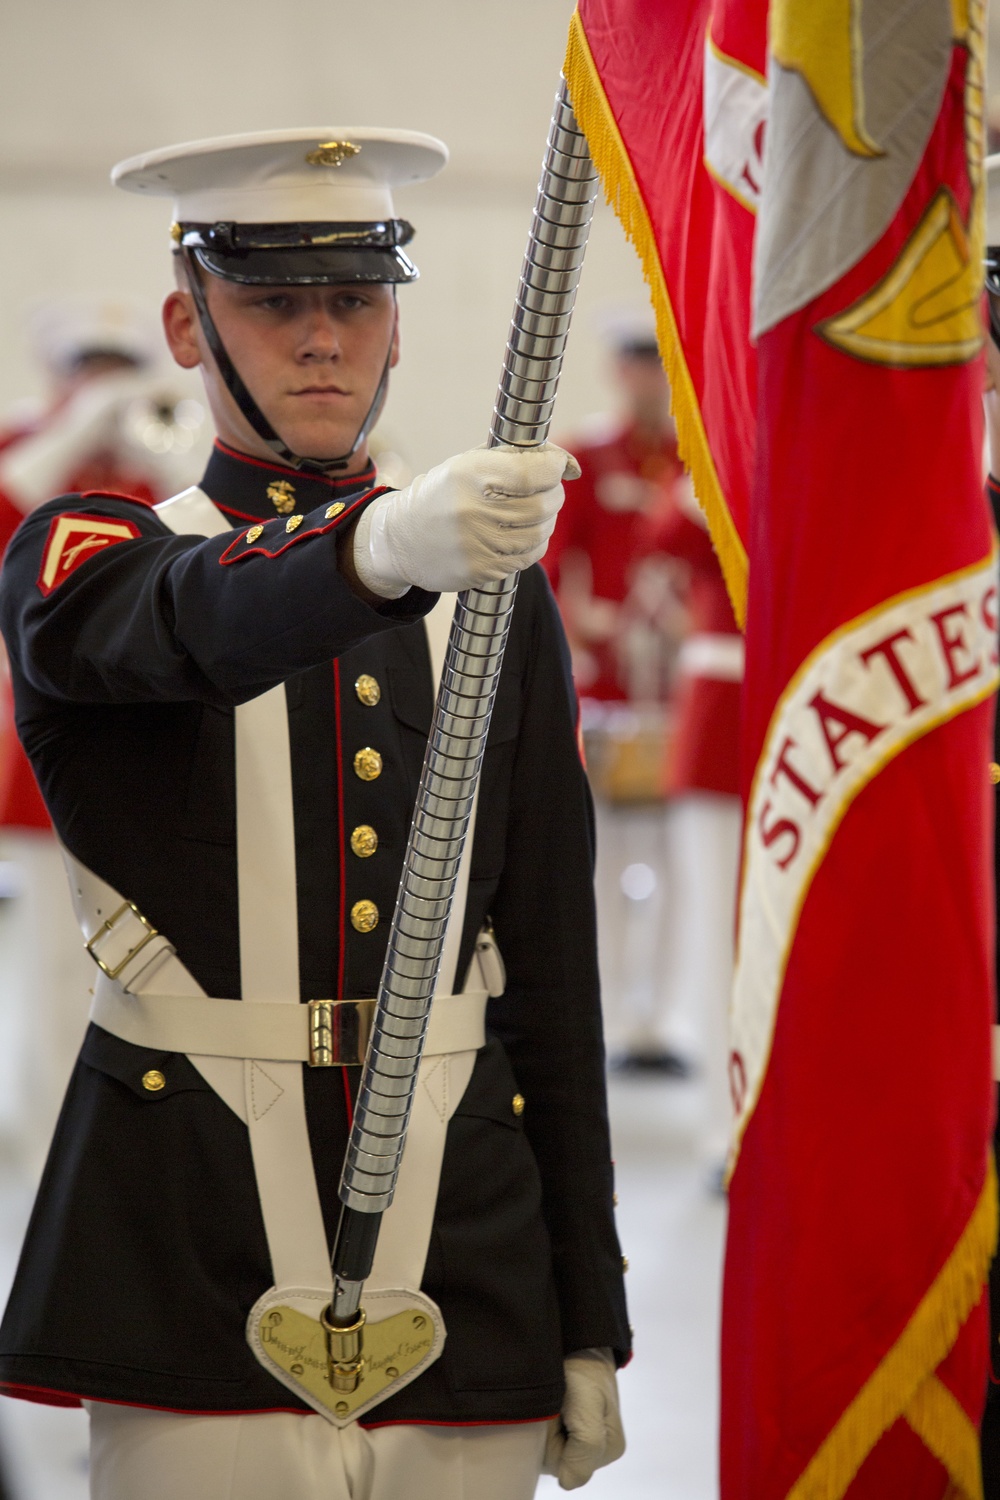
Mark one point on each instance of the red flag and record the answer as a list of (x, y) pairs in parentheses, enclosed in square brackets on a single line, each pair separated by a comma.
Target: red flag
[(863, 1212), (672, 98)]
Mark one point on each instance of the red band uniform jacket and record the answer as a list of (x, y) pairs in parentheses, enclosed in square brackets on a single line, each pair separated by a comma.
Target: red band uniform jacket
[(146, 1247)]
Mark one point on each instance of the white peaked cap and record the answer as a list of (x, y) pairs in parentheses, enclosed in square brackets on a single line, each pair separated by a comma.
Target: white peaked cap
[(993, 199), (65, 330), (286, 176), (625, 325)]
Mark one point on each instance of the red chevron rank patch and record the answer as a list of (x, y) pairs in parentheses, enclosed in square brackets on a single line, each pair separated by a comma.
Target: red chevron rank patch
[(72, 540)]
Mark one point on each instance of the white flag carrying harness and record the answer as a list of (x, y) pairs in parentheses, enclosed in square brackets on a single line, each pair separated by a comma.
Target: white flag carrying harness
[(252, 1051)]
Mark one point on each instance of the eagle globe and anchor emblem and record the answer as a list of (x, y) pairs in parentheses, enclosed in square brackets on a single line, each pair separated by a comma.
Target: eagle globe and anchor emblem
[(282, 496)]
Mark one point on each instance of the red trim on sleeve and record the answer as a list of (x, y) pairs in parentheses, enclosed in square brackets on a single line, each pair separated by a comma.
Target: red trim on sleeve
[(73, 539), (117, 495), (241, 548)]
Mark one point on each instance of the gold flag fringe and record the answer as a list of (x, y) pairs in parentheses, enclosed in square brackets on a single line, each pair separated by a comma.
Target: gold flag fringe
[(944, 1426), (904, 1384), (596, 120)]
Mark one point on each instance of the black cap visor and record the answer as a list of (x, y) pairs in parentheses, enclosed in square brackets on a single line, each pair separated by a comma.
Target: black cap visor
[(302, 254), (991, 267)]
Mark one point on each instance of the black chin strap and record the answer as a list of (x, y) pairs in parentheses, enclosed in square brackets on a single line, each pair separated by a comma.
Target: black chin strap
[(248, 406)]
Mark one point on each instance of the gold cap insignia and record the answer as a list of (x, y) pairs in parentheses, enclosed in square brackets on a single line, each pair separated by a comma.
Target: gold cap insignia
[(254, 532), (293, 523), (332, 153), (176, 232), (282, 496)]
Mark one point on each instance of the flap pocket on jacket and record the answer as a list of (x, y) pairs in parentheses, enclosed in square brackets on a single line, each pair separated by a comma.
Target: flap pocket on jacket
[(151, 1075), (492, 1093)]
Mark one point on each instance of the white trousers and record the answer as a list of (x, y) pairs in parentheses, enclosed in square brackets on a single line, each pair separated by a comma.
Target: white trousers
[(153, 1455), (705, 831)]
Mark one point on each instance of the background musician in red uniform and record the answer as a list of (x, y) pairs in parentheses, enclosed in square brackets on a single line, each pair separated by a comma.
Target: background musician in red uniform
[(111, 421), (704, 814), (625, 620)]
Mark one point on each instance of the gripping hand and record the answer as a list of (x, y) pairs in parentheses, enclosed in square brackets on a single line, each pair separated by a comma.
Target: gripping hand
[(470, 521)]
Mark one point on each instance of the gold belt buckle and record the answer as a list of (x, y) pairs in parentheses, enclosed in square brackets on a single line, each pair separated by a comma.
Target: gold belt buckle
[(108, 927), (339, 1031)]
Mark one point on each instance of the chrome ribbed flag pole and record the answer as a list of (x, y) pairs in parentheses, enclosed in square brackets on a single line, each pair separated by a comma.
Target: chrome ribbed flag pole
[(521, 416)]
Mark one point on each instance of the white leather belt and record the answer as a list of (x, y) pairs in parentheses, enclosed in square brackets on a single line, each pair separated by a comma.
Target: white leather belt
[(323, 1033)]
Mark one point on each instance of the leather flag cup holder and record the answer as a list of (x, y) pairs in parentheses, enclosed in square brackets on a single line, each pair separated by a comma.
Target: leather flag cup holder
[(403, 1335)]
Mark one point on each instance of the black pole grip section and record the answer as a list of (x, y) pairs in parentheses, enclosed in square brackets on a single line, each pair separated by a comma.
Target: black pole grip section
[(354, 1247)]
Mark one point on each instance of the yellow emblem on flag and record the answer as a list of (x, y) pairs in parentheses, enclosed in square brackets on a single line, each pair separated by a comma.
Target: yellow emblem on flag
[(925, 310), (823, 44)]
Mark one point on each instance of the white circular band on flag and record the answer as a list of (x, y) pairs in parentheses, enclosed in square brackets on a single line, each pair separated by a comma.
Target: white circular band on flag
[(865, 693)]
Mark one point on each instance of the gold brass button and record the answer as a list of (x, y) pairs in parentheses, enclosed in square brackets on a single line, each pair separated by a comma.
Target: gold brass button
[(994, 773), (517, 1104), (614, 1199), (624, 1262), (368, 690), (364, 916), (154, 1081), (335, 509), (368, 764), (364, 841), (254, 533), (293, 523)]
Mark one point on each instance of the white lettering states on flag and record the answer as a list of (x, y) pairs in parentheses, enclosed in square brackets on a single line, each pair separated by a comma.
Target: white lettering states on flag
[(736, 102), (869, 690)]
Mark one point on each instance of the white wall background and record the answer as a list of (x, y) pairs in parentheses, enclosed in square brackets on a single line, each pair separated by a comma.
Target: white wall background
[(83, 85)]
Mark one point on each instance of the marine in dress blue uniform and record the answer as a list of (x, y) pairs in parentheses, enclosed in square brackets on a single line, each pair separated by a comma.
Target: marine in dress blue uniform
[(130, 648)]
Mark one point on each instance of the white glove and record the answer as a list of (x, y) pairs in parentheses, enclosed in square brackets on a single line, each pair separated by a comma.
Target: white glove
[(589, 1433), (42, 465), (472, 520)]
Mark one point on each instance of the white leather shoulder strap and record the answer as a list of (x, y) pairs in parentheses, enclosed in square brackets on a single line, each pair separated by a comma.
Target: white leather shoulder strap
[(192, 513), (269, 960)]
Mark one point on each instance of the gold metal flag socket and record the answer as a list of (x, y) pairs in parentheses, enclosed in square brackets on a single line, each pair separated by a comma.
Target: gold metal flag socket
[(344, 1352)]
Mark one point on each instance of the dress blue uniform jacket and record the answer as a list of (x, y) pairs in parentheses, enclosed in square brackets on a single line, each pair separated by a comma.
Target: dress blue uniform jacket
[(146, 1248)]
